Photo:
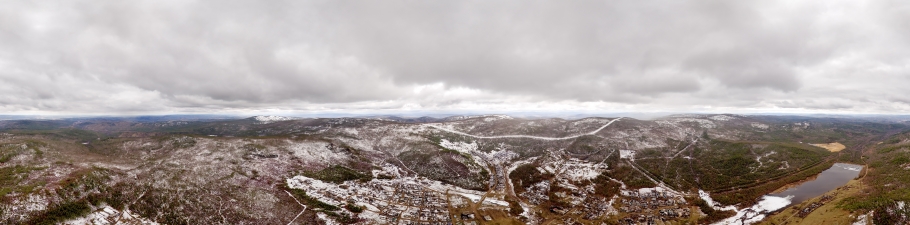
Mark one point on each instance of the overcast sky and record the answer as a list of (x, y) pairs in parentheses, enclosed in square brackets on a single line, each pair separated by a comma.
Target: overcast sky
[(154, 57)]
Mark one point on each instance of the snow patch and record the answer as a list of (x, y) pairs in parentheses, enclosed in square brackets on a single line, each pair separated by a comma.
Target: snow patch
[(785, 166), (366, 194), (863, 219), (462, 147), (108, 215), (19, 207), (324, 217), (760, 126), (316, 188), (388, 170), (707, 197), (491, 118), (722, 118), (450, 128), (501, 156), (758, 211), (578, 170), (315, 153), (476, 198), (268, 119), (371, 216), (702, 123), (645, 191), (849, 167), (627, 154)]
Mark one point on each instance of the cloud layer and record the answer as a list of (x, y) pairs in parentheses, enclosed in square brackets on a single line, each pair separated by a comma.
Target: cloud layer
[(114, 57)]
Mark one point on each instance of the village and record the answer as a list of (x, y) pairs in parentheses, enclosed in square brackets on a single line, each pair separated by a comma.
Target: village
[(403, 200), (415, 200), (648, 206), (393, 201)]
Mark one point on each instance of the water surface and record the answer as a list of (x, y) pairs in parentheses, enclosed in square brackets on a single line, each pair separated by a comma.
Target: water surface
[(834, 177)]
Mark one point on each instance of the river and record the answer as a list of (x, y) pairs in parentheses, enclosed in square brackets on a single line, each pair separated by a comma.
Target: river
[(836, 176), (828, 180)]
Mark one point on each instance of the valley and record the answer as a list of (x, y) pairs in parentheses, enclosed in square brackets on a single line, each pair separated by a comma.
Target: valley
[(683, 169)]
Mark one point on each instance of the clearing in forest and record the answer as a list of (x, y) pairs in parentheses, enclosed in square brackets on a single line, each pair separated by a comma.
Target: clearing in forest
[(833, 147)]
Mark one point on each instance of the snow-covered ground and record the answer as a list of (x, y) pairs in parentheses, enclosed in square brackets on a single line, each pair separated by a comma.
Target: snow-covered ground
[(462, 147), (272, 118), (326, 219), (722, 118), (496, 117), (760, 163), (24, 205), (751, 214), (476, 198), (365, 194), (387, 170), (486, 117), (707, 197), (683, 150), (643, 191), (315, 153), (758, 211), (627, 154), (703, 123), (578, 170), (760, 126), (443, 188), (318, 189), (849, 167), (863, 219), (108, 215), (574, 169)]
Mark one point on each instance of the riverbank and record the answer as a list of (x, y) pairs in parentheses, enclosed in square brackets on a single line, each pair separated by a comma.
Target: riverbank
[(806, 196), (826, 211), (794, 184), (814, 177)]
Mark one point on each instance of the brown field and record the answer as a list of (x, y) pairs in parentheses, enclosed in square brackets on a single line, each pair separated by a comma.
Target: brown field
[(833, 147)]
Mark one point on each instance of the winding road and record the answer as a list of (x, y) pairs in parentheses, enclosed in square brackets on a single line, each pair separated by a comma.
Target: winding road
[(524, 136)]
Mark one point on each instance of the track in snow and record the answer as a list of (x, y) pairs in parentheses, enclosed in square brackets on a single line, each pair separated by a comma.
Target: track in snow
[(681, 151), (298, 202), (658, 183), (523, 136)]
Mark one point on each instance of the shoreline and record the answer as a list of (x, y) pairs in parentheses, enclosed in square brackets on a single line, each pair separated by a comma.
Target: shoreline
[(813, 177), (827, 212)]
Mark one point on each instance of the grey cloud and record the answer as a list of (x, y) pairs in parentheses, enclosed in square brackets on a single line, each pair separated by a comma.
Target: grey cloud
[(196, 49), (193, 55), (532, 48)]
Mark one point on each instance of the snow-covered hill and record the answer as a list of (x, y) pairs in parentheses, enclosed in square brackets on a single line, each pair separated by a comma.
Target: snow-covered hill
[(268, 119)]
